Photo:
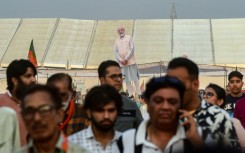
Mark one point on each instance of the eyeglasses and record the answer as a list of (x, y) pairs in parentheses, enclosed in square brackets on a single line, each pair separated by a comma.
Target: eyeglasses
[(208, 94), (44, 110), (116, 76)]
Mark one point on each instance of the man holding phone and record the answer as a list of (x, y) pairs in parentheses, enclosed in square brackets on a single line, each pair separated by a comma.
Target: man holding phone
[(163, 132), (217, 129)]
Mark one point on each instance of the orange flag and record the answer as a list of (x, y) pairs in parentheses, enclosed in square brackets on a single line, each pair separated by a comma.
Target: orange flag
[(32, 55)]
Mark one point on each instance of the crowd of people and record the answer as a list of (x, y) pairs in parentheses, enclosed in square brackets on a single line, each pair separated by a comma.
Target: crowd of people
[(173, 117)]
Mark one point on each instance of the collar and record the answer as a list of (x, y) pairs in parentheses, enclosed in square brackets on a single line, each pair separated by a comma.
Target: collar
[(69, 114), (14, 99), (9, 94), (59, 145), (90, 134), (141, 135)]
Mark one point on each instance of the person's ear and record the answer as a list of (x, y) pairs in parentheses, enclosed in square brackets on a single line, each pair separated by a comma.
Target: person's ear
[(195, 85), (14, 81), (88, 112), (102, 80), (220, 102), (60, 115)]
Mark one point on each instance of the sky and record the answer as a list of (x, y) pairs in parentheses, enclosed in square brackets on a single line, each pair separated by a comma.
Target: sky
[(124, 9)]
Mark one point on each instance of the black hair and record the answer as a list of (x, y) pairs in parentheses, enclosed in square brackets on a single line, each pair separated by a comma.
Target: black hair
[(219, 91), (235, 74), (17, 68), (54, 94), (99, 96), (60, 77), (142, 96), (164, 82), (104, 65), (189, 65)]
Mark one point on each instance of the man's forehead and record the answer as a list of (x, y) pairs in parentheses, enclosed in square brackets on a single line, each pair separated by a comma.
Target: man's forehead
[(120, 28), (168, 92), (37, 98), (235, 78), (63, 83), (113, 70), (29, 70)]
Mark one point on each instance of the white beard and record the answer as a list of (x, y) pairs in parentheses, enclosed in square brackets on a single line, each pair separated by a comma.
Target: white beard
[(122, 35), (65, 104)]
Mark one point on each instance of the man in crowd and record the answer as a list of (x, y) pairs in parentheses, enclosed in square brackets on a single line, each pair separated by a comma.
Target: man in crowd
[(216, 126), (42, 112), (130, 117), (124, 52), (235, 84), (75, 117), (163, 132), (20, 75), (103, 104)]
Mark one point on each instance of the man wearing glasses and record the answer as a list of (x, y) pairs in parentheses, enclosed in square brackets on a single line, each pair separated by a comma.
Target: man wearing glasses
[(42, 112), (124, 52), (109, 72), (75, 117)]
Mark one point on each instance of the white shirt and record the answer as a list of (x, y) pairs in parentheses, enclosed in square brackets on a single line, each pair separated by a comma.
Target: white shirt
[(86, 138), (9, 127), (175, 144), (144, 112)]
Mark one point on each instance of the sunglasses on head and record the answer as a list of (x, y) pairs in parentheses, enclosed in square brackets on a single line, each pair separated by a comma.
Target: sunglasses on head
[(167, 79)]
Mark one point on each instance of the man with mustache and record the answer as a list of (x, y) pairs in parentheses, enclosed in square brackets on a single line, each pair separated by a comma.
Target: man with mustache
[(102, 103), (163, 131), (235, 84), (20, 75), (42, 112), (75, 117)]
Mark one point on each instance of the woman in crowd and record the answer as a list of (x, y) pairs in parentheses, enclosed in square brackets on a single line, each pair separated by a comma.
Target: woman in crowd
[(215, 95)]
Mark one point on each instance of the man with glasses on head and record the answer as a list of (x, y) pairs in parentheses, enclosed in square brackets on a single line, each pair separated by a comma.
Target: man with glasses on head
[(42, 112), (217, 129), (75, 117), (109, 72), (124, 52), (235, 84), (164, 131), (20, 76)]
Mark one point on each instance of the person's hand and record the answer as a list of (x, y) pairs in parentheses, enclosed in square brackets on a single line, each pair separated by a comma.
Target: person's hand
[(124, 62), (191, 130)]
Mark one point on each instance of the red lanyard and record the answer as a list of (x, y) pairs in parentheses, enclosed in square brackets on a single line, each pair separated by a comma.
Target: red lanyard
[(64, 144), (70, 113)]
